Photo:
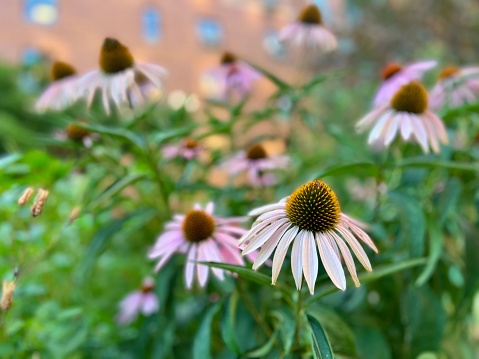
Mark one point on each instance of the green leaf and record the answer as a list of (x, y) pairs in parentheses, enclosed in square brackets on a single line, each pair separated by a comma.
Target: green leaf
[(115, 188), (321, 78), (282, 85), (122, 133), (448, 199), (9, 159), (172, 133), (228, 332), (436, 240), (263, 350), (361, 169), (287, 324), (321, 346), (433, 163), (243, 272), (202, 341)]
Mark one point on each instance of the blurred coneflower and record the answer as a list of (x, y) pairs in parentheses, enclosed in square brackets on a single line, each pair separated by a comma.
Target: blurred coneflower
[(407, 114), (203, 238), (309, 218), (233, 77), (63, 90), (142, 301), (394, 76), (76, 134), (455, 87), (187, 149), (309, 32), (120, 79), (256, 161)]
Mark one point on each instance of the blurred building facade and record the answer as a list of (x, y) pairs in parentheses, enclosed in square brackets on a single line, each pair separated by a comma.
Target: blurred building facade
[(185, 36)]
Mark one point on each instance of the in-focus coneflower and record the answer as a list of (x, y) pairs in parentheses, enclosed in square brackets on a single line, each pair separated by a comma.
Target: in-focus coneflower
[(311, 220), (142, 301), (407, 113), (309, 32), (120, 78)]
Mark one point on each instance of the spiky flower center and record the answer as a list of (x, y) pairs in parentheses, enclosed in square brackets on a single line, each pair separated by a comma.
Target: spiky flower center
[(228, 58), (191, 143), (61, 70), (114, 56), (198, 226), (256, 152), (448, 72), (311, 15), (76, 133), (390, 70), (313, 207), (410, 98)]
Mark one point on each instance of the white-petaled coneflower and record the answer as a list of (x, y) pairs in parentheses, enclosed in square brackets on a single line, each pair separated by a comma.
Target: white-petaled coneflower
[(26, 195), (204, 238), (187, 149), (258, 164), (312, 221), (142, 301), (62, 92), (120, 78), (7, 295), (394, 76), (39, 203), (234, 78), (407, 113), (309, 32), (455, 87)]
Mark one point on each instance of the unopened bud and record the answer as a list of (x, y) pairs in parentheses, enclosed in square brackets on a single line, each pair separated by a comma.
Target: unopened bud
[(25, 197), (74, 214), (7, 295), (40, 200)]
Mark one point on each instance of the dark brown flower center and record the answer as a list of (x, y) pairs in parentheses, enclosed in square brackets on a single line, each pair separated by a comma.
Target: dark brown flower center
[(390, 70), (256, 152), (191, 143), (410, 98), (145, 288), (76, 133), (448, 72), (61, 70), (114, 56), (313, 207), (311, 15), (228, 58), (198, 226)]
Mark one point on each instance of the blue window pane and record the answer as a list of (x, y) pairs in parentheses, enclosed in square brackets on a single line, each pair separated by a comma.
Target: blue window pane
[(210, 32), (42, 12), (325, 7), (31, 56), (151, 22), (272, 45)]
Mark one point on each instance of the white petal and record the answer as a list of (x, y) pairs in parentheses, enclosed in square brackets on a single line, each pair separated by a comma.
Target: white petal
[(297, 258), (310, 261), (331, 263), (281, 251)]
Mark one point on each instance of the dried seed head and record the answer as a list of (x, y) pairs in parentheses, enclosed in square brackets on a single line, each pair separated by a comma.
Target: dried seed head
[(7, 295), (40, 200), (25, 197), (256, 152), (390, 70), (448, 72), (311, 15), (313, 207), (410, 98), (227, 58), (61, 70), (114, 56), (198, 226)]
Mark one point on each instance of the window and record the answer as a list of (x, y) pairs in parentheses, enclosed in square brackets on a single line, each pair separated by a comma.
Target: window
[(210, 32), (272, 45), (42, 12), (151, 23), (31, 56), (325, 7), (270, 4)]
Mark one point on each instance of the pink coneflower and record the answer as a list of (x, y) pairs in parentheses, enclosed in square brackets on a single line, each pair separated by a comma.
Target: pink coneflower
[(407, 114), (62, 92), (394, 76), (234, 77), (204, 238), (143, 301), (120, 79), (309, 32), (455, 87), (310, 218), (188, 149), (258, 163)]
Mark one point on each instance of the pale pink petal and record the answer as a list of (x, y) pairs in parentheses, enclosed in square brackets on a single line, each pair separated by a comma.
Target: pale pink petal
[(310, 261), (297, 258), (281, 251), (331, 263)]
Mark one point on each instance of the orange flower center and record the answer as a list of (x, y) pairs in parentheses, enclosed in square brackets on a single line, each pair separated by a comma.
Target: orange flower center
[(61, 70), (390, 70), (256, 152), (311, 15), (198, 226), (114, 56), (227, 58), (314, 207), (76, 133), (448, 72), (190, 143), (410, 98)]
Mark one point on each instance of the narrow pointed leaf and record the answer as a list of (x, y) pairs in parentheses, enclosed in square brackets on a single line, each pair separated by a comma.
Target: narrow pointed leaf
[(321, 346)]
